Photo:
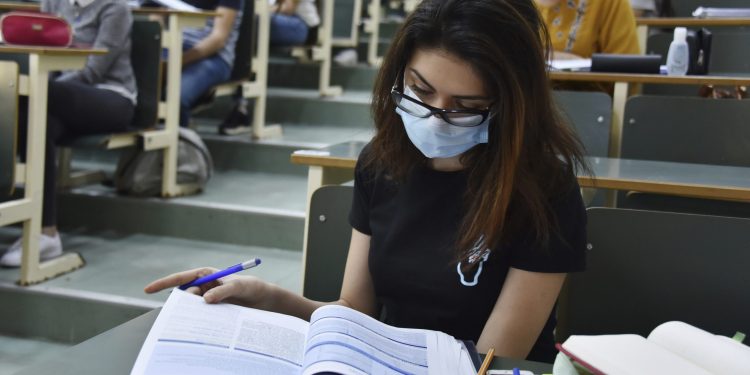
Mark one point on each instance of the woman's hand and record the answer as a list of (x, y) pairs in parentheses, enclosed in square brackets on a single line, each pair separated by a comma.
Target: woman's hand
[(240, 290)]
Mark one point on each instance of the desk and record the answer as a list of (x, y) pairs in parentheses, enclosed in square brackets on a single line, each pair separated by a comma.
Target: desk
[(683, 179), (642, 25), (649, 176), (335, 165), (42, 61), (115, 351), (622, 83)]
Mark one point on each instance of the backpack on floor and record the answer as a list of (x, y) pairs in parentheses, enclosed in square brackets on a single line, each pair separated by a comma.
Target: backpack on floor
[(139, 172)]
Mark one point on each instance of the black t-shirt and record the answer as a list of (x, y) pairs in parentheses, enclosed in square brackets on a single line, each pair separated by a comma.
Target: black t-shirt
[(413, 228), (213, 4)]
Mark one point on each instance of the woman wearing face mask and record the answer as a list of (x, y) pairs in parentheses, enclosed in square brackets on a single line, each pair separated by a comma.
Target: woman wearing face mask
[(466, 213)]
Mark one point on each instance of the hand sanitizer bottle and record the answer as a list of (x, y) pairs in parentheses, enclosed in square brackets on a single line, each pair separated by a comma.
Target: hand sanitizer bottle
[(678, 56)]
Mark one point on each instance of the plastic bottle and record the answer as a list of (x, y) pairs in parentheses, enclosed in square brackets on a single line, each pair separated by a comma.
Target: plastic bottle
[(678, 56)]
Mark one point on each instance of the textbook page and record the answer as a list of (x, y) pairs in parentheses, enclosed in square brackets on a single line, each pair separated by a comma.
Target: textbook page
[(191, 337), (715, 353), (345, 341), (628, 354)]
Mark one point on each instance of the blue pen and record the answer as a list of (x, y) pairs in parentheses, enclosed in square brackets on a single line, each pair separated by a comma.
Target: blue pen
[(516, 371), (217, 275)]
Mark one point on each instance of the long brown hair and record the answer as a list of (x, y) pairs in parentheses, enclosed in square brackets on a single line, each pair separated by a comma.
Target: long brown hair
[(531, 153)]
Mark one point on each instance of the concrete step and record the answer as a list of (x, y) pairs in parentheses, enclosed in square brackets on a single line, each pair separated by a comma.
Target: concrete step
[(41, 320), (288, 72), (244, 208), (119, 265), (237, 207), (17, 353), (303, 105), (295, 106)]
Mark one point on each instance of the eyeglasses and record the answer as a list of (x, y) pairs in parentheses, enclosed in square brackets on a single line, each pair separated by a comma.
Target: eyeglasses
[(456, 117)]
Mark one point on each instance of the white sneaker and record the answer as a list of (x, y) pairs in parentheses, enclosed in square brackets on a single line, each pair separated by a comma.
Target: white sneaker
[(347, 57), (49, 247)]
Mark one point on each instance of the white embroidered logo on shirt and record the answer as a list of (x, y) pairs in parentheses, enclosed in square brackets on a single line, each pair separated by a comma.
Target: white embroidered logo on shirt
[(478, 253)]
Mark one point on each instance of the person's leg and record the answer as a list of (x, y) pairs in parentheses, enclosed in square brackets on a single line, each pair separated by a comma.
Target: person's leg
[(85, 110), (287, 30), (197, 78), (49, 206), (73, 109)]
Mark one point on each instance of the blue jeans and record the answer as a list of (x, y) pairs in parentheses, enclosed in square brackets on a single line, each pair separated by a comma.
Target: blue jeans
[(197, 78), (287, 30)]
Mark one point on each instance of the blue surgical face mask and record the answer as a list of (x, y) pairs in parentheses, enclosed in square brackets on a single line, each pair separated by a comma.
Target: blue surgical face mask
[(436, 138)]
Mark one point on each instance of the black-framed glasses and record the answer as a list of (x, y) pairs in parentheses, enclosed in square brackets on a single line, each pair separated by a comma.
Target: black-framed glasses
[(456, 117)]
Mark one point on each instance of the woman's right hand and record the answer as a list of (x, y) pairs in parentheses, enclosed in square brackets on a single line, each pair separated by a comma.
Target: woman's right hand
[(240, 290)]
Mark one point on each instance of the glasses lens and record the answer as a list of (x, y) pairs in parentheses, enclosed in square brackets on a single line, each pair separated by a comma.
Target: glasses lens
[(410, 107), (463, 119)]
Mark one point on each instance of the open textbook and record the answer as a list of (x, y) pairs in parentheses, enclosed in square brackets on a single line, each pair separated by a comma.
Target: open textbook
[(192, 337), (671, 348)]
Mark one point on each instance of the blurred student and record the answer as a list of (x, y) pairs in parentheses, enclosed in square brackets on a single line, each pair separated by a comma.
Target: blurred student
[(100, 98), (293, 23), (208, 52), (580, 28)]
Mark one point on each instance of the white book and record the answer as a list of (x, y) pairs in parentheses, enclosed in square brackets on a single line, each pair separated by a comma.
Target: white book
[(171, 4), (671, 348), (705, 12), (570, 64), (192, 337)]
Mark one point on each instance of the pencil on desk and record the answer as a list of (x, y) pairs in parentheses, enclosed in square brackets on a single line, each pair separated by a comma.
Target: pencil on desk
[(487, 361)]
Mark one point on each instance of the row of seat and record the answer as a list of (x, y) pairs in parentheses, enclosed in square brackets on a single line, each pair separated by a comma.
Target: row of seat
[(664, 128)]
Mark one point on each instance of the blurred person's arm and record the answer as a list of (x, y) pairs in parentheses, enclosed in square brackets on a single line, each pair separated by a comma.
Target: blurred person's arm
[(288, 7), (214, 42)]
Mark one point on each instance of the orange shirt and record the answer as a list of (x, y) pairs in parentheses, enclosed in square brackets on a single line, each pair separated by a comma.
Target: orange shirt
[(585, 27)]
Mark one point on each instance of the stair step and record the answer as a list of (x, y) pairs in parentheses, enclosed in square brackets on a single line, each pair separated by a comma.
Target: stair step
[(20, 352), (119, 265), (294, 137), (288, 72), (295, 106), (46, 318), (244, 208)]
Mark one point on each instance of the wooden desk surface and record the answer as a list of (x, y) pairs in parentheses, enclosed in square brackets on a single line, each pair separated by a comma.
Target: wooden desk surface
[(693, 180), (649, 78), (684, 179), (58, 51), (341, 155), (692, 22), (33, 7), (12, 5)]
